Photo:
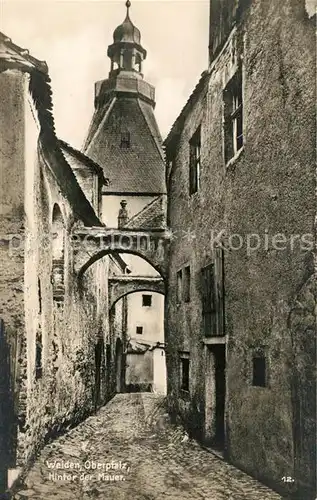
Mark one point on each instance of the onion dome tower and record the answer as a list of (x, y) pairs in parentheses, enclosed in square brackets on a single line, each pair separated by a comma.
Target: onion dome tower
[(126, 52)]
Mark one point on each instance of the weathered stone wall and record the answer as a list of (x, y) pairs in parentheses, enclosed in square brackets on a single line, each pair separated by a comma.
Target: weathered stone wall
[(13, 86), (269, 188)]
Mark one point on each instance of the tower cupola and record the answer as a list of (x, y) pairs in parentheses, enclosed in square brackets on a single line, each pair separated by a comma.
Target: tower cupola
[(126, 52)]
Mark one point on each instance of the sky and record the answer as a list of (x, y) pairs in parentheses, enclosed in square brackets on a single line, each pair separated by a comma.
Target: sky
[(73, 36)]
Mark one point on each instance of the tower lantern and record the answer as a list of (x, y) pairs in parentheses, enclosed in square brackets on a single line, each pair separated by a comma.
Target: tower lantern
[(126, 52)]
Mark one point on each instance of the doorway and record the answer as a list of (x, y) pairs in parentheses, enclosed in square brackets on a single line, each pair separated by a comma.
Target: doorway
[(215, 396)]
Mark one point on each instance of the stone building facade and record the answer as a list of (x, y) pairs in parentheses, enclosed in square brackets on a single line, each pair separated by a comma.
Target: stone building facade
[(241, 317), (125, 140)]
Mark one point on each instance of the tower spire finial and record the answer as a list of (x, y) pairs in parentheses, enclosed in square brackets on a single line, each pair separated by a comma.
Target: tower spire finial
[(128, 5)]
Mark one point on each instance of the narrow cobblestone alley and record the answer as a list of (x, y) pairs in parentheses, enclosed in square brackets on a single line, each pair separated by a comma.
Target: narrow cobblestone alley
[(139, 456)]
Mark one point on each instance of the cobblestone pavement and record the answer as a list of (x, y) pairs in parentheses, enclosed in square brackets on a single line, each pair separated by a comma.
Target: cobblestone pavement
[(139, 456)]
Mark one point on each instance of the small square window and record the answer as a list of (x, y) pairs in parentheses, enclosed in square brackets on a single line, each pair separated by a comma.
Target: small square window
[(259, 371), (184, 372), (146, 300), (139, 330), (125, 140)]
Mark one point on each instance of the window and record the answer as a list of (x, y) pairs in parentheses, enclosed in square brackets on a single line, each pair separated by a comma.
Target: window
[(125, 140), (184, 372), (233, 116), (194, 162), (186, 284), (259, 376), (179, 286), (146, 300), (213, 296), (139, 330)]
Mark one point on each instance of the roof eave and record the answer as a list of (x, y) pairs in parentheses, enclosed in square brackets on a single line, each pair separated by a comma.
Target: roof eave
[(176, 129)]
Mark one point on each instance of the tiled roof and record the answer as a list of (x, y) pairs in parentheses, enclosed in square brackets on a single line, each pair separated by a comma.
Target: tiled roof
[(179, 122), (100, 115), (10, 53), (13, 56), (140, 168), (152, 216)]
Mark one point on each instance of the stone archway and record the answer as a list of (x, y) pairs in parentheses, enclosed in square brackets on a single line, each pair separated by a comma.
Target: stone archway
[(91, 244)]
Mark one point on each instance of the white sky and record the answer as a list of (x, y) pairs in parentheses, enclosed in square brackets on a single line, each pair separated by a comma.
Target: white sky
[(73, 36)]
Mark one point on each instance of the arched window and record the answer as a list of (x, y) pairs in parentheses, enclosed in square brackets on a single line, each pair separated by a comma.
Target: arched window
[(58, 243)]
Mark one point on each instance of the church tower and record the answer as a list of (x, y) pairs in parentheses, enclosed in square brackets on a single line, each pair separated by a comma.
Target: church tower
[(123, 137)]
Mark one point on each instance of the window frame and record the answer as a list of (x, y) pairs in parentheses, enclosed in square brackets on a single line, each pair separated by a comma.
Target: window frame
[(233, 117), (139, 328)]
